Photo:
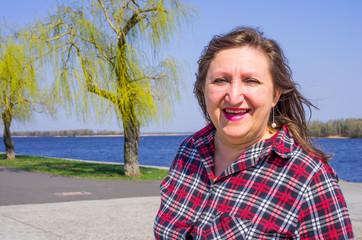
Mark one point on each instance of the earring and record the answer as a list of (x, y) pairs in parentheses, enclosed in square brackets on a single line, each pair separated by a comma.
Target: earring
[(273, 124)]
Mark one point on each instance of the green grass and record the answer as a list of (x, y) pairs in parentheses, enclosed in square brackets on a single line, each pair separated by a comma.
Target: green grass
[(64, 167)]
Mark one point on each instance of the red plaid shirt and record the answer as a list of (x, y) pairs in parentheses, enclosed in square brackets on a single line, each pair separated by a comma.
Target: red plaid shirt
[(275, 190)]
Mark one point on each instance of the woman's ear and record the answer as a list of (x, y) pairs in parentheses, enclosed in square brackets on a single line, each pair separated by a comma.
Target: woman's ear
[(277, 94)]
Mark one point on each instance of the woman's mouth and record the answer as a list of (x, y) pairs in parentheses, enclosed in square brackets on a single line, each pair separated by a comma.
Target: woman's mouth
[(235, 114)]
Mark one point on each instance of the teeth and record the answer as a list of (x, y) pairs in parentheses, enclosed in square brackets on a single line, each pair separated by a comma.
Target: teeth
[(235, 112)]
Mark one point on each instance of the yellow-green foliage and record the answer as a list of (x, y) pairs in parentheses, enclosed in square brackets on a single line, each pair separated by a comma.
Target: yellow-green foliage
[(20, 92), (99, 52)]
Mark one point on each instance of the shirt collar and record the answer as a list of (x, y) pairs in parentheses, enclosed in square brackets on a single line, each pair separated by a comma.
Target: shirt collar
[(204, 144), (282, 143)]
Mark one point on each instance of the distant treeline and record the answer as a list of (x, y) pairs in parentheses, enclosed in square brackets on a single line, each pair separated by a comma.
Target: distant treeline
[(350, 128), (66, 133)]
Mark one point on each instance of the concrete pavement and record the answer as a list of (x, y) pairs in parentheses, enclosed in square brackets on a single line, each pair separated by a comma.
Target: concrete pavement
[(353, 195), (82, 217), (43, 206), (123, 218), (24, 187)]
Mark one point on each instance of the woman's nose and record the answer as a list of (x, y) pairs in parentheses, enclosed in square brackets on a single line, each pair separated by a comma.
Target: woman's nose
[(235, 94)]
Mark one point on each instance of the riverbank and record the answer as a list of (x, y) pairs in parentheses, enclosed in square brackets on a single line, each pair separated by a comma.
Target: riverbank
[(102, 135), (80, 168), (334, 137), (149, 135)]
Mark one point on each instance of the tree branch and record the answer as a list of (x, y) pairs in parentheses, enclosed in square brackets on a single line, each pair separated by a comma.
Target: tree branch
[(95, 45), (51, 50), (131, 22), (155, 78), (102, 93), (107, 17), (134, 2), (89, 80)]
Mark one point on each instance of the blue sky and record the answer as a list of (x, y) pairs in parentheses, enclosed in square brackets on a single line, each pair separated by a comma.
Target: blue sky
[(321, 39)]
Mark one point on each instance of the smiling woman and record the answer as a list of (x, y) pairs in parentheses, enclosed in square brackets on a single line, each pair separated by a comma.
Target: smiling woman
[(245, 176), (239, 95)]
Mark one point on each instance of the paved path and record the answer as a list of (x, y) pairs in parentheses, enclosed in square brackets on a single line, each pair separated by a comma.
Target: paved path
[(353, 195), (122, 218), (25, 187), (116, 209)]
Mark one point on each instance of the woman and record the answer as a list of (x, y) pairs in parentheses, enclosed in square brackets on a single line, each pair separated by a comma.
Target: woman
[(253, 172)]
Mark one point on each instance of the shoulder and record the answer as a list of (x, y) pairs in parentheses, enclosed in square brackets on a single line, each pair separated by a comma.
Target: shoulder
[(201, 137), (195, 146), (313, 168), (304, 164), (204, 132)]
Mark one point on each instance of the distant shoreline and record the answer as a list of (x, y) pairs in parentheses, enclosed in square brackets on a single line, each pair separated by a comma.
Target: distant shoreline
[(146, 135), (349, 128), (336, 137), (78, 133), (152, 134), (115, 135)]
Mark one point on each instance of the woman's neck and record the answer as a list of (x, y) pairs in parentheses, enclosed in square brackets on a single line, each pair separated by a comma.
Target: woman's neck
[(226, 152)]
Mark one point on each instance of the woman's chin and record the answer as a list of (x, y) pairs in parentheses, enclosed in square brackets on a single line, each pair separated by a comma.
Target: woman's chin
[(241, 134), (234, 132)]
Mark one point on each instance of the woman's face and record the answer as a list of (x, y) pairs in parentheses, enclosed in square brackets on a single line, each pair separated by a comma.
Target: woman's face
[(239, 94)]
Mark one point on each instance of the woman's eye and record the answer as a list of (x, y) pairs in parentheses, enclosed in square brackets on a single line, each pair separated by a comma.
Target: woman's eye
[(252, 81), (220, 80)]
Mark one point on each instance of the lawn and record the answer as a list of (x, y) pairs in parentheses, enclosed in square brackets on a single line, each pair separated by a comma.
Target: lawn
[(64, 167)]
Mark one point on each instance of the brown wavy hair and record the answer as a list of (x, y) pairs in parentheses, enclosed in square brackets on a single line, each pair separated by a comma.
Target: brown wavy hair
[(289, 110)]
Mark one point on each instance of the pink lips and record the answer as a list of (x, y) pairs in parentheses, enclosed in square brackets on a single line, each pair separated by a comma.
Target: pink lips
[(236, 116)]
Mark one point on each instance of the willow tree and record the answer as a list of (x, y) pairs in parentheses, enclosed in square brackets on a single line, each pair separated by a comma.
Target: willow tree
[(104, 53), (20, 91)]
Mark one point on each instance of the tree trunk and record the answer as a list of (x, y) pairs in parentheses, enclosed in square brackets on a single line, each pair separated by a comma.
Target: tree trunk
[(9, 145), (131, 146)]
